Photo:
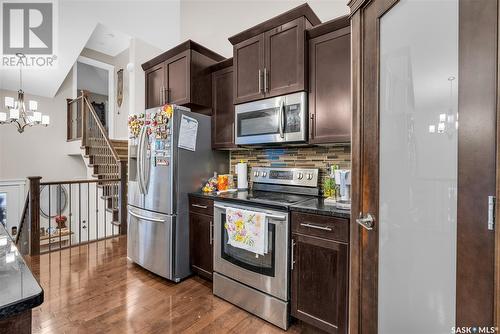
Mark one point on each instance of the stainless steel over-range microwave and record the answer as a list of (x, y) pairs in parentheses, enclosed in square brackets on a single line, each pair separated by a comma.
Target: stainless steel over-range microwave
[(281, 119)]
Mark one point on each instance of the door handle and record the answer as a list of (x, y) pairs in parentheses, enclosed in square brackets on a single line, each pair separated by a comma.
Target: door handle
[(281, 119), (260, 81), (145, 218), (312, 127), (368, 222), (200, 206), (324, 228), (265, 80), (292, 257), (211, 233), (277, 217), (167, 95)]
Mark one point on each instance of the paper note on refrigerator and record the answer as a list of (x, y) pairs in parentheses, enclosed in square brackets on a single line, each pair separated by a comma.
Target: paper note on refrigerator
[(187, 133)]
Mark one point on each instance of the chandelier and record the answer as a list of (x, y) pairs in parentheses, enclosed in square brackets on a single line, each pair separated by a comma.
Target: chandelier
[(18, 114)]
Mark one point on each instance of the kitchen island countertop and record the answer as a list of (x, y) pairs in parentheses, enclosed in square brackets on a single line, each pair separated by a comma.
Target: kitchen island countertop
[(19, 290)]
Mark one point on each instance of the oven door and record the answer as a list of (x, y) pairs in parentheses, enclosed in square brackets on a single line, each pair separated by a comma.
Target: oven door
[(274, 120), (267, 273)]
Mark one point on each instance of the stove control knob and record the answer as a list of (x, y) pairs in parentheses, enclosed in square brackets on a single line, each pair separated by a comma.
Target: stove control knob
[(300, 176), (264, 174), (255, 174), (309, 176)]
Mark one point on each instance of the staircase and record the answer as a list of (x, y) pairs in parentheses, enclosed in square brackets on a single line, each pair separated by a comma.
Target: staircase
[(107, 159)]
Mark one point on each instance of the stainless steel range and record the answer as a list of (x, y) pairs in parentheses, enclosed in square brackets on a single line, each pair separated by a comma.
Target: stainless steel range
[(260, 283)]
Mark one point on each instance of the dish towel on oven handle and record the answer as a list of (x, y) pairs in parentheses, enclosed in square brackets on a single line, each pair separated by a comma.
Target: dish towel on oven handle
[(247, 230)]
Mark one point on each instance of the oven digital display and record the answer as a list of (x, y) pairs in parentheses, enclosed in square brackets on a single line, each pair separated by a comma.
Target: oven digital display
[(281, 175)]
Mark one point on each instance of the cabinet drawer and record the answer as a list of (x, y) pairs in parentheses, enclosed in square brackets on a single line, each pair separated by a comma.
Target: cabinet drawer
[(327, 227), (201, 205)]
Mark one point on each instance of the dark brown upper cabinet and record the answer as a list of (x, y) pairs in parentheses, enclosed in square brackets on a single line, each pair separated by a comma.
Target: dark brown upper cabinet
[(222, 105), (270, 58), (180, 76), (155, 77), (330, 82), (248, 69)]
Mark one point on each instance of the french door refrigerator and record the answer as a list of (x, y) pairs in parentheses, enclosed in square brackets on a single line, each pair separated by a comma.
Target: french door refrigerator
[(170, 158)]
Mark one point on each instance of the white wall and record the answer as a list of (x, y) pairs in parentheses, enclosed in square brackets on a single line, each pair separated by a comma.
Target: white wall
[(211, 22), (40, 151), (140, 52), (121, 113), (92, 79), (120, 61)]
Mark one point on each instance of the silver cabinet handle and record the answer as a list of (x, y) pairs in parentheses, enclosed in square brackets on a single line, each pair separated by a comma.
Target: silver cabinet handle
[(200, 206), (265, 80), (281, 118), (367, 222), (260, 81), (145, 218), (161, 95), (292, 257), (324, 228), (211, 233)]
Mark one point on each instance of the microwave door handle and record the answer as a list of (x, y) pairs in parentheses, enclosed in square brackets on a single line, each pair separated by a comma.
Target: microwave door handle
[(281, 118)]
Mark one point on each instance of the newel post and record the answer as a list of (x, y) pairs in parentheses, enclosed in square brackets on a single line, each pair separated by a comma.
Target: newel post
[(34, 214), (123, 197)]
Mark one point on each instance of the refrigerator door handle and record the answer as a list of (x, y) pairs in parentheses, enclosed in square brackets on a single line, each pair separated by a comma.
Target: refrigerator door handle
[(139, 161), (132, 213), (146, 164), (143, 151)]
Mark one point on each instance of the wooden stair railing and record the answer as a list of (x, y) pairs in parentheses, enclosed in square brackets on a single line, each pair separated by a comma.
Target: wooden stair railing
[(89, 216), (23, 233), (102, 155)]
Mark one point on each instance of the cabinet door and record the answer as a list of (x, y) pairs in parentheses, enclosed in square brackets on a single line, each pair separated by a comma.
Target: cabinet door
[(155, 86), (285, 63), (222, 109), (178, 79), (200, 243), (319, 283), (248, 69), (330, 88)]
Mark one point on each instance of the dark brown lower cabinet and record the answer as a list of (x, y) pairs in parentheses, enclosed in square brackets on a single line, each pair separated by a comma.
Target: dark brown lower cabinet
[(201, 241), (319, 282)]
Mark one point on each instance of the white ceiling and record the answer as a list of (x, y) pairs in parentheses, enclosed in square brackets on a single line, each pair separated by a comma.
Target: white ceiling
[(155, 22), (108, 41)]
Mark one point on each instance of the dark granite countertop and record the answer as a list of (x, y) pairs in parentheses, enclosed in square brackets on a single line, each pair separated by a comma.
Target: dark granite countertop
[(318, 206), (19, 290), (309, 204)]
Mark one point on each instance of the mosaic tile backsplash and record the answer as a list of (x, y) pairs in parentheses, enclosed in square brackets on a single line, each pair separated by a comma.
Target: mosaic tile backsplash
[(320, 157)]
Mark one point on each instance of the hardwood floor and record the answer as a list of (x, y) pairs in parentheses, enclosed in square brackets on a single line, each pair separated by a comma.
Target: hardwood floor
[(95, 289)]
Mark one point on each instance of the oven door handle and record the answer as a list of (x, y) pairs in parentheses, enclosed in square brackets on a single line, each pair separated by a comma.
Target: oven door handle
[(277, 217)]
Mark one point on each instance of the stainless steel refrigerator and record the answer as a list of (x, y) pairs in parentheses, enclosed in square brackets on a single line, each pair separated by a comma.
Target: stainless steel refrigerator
[(163, 169)]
